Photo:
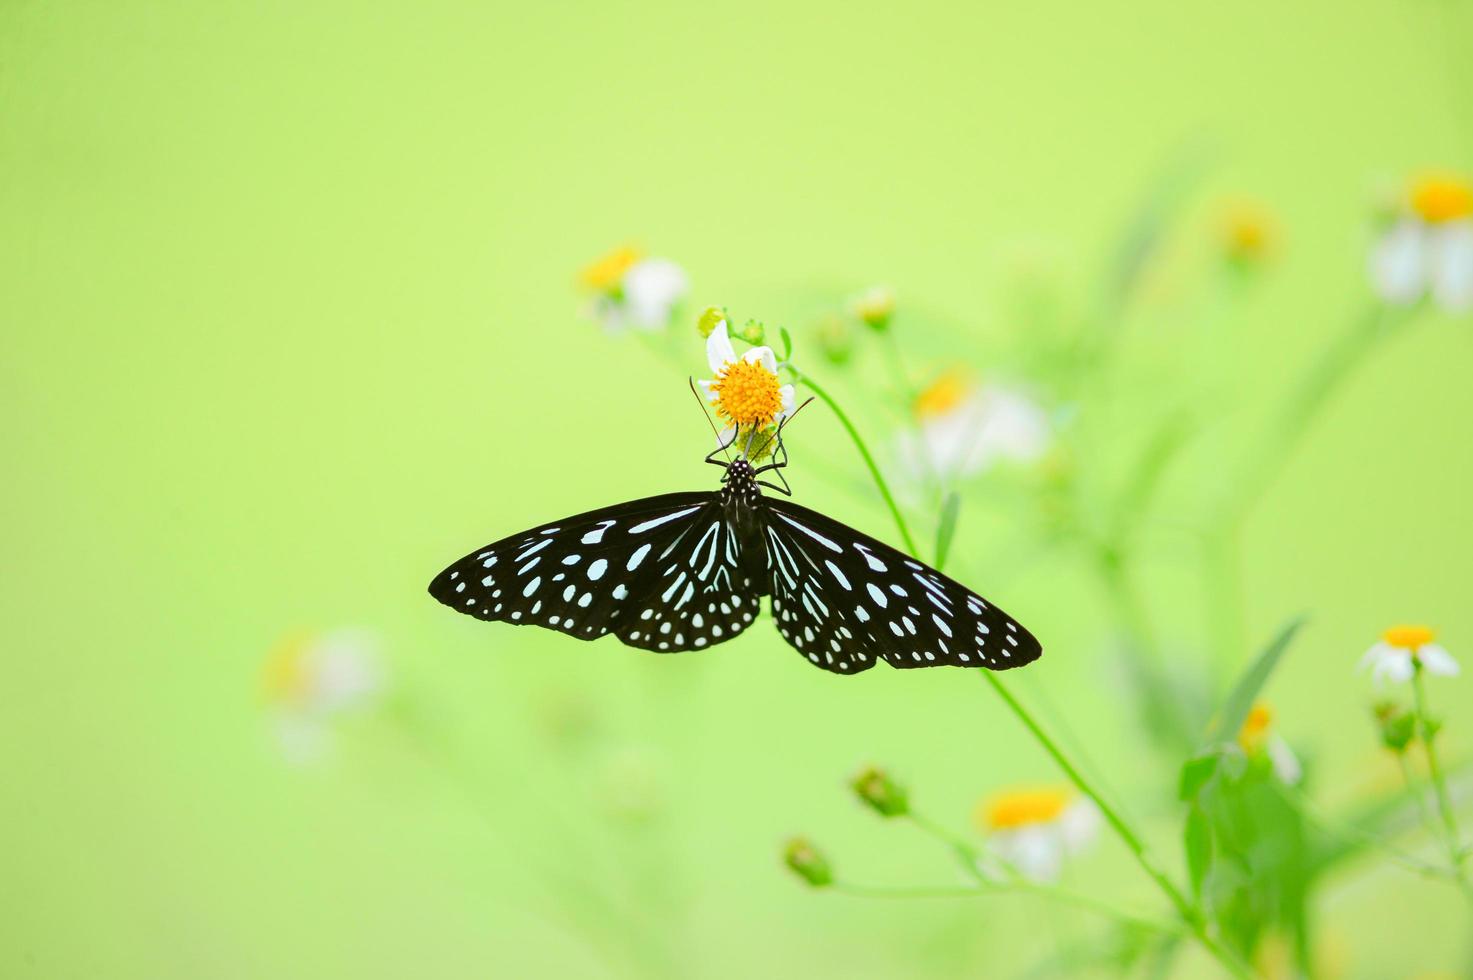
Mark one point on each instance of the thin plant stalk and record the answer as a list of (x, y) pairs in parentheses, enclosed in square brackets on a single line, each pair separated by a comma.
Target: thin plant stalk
[(1439, 781), (1188, 912)]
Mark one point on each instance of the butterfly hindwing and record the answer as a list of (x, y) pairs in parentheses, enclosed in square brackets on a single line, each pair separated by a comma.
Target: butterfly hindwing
[(697, 594), (843, 600), (586, 575)]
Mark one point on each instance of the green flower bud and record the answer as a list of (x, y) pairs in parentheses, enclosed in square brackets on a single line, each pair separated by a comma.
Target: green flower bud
[(874, 307), (752, 332), (711, 317), (835, 339), (807, 863), (876, 790), (1398, 727)]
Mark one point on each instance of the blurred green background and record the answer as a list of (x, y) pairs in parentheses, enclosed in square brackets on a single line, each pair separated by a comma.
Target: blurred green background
[(287, 322)]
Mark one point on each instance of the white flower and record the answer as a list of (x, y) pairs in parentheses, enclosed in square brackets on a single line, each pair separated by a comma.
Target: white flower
[(745, 391), (312, 679), (1033, 832), (962, 429), (1428, 247), (1401, 649), (633, 292)]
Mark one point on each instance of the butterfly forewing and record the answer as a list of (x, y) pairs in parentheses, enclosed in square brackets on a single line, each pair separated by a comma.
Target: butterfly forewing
[(586, 575), (843, 599)]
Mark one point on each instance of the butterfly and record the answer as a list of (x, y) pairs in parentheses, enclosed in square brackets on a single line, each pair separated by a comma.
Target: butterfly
[(685, 571)]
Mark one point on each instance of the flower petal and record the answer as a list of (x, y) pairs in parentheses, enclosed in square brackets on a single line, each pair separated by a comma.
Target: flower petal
[(785, 392), (651, 290), (1377, 653), (1437, 660), (1398, 262), (719, 352), (1450, 266), (1397, 669), (725, 436), (763, 356), (1285, 763)]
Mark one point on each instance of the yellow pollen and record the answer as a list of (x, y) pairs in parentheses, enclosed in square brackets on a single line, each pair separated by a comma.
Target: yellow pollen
[(606, 272), (1442, 197), (747, 393), (1408, 637), (1022, 808), (942, 396), (1255, 727), (284, 678)]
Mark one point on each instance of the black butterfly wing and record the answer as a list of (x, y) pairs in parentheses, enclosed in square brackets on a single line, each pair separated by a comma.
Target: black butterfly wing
[(843, 600), (606, 571)]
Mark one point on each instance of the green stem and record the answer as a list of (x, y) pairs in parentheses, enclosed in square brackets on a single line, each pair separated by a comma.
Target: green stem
[(869, 461), (1062, 895), (1434, 769), (1189, 913)]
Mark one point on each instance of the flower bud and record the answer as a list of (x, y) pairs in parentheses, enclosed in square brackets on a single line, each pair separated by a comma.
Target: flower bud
[(807, 863), (752, 332), (877, 791), (835, 339), (875, 306), (1398, 727), (710, 319)]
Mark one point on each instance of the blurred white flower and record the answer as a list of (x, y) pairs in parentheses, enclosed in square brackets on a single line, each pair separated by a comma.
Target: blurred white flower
[(962, 429), (1401, 649), (1031, 832), (634, 292), (1427, 247), (311, 679), (1257, 736), (745, 391)]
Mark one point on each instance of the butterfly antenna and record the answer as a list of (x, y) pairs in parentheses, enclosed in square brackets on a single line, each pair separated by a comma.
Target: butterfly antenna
[(709, 421), (777, 434)]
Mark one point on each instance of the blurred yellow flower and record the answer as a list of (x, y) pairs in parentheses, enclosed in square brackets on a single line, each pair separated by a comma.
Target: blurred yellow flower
[(1441, 197), (310, 679), (1248, 233), (1031, 831), (963, 428), (633, 292), (1426, 247), (1257, 737), (1401, 649), (606, 273), (745, 391)]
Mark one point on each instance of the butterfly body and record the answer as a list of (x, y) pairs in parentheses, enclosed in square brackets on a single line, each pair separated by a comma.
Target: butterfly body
[(685, 571)]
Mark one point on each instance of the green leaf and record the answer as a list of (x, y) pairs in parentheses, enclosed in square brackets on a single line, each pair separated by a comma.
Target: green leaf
[(1235, 710), (1195, 774), (1197, 837), (787, 342), (947, 528)]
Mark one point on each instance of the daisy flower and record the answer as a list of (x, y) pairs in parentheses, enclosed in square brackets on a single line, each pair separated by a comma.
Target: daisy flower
[(745, 391), (631, 291), (1427, 246), (312, 679), (963, 429), (1032, 831), (1401, 649), (1257, 737)]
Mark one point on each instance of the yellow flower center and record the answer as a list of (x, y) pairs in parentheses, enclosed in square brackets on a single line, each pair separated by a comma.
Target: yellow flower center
[(1246, 233), (1022, 808), (284, 678), (607, 272), (942, 396), (1255, 727), (747, 393), (1442, 197), (1408, 637)]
